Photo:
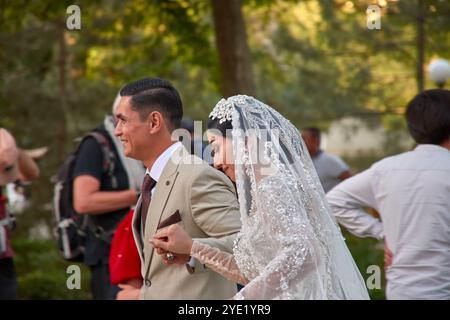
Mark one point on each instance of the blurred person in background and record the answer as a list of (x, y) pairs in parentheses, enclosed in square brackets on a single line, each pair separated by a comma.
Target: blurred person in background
[(107, 199), (15, 165), (17, 192), (330, 168), (411, 191)]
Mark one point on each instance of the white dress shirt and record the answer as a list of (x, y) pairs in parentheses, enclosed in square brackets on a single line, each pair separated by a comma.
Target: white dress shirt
[(411, 191)]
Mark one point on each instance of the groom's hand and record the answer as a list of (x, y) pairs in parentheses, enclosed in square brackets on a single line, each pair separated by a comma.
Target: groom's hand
[(128, 292)]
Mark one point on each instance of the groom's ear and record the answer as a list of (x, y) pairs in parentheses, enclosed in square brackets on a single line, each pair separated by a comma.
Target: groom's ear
[(155, 122)]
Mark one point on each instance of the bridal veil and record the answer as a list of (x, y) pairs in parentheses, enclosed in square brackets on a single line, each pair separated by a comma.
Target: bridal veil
[(290, 246)]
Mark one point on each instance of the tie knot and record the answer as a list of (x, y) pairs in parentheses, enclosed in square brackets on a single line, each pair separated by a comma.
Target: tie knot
[(148, 183)]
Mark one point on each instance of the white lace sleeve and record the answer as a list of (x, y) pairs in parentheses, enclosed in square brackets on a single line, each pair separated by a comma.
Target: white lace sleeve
[(291, 241), (219, 261)]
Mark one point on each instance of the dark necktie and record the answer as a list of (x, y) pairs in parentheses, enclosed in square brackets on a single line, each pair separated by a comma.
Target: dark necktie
[(147, 186)]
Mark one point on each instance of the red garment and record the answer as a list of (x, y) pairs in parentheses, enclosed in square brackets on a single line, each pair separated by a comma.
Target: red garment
[(124, 260)]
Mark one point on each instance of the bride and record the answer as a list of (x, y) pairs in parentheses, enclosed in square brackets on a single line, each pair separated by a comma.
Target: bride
[(290, 246)]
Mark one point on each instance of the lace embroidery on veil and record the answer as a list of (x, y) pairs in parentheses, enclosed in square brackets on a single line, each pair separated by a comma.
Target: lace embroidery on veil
[(290, 246)]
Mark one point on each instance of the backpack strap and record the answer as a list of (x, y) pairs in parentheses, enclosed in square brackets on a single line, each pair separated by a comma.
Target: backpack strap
[(109, 165), (109, 158)]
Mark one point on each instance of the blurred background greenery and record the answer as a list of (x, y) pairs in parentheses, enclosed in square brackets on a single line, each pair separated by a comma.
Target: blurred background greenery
[(314, 60), (42, 274)]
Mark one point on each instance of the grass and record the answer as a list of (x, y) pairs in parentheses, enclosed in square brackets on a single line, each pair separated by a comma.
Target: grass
[(42, 273), (367, 252)]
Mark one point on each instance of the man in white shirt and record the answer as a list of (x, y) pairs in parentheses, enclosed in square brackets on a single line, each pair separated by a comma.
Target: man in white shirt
[(411, 191), (330, 168)]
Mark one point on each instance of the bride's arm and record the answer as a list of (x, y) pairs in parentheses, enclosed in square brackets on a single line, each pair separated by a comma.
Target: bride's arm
[(176, 240), (219, 261)]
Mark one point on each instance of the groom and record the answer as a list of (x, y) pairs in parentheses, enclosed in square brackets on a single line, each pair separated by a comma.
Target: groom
[(177, 188)]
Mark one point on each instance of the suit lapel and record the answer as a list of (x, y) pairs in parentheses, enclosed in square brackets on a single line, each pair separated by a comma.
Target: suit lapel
[(158, 203), (136, 223)]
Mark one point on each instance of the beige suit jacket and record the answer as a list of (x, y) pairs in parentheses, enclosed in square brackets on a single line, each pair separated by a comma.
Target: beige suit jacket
[(207, 202)]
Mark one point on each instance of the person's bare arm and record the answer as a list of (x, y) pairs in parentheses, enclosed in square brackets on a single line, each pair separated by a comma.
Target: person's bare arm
[(388, 256), (27, 167), (345, 175), (88, 199)]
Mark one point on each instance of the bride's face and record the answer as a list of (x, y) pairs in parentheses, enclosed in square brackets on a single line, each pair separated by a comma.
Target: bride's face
[(222, 151)]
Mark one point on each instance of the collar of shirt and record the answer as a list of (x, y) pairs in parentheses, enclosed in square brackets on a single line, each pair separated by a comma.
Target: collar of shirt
[(431, 148), (161, 162)]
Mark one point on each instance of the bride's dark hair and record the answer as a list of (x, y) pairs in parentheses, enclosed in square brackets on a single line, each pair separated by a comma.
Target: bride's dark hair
[(214, 124), (222, 127)]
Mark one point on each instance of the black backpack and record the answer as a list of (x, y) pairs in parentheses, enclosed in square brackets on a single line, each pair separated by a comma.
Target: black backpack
[(71, 227)]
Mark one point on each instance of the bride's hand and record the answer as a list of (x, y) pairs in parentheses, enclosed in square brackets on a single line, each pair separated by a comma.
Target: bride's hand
[(173, 239), (180, 259)]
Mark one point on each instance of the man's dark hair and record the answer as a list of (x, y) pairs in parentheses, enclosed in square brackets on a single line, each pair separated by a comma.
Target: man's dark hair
[(155, 94), (314, 131), (428, 116)]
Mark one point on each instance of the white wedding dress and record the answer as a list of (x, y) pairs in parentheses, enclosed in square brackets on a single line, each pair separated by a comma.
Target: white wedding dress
[(290, 246)]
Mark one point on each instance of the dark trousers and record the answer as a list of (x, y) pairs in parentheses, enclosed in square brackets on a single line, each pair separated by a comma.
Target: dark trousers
[(101, 286), (8, 280)]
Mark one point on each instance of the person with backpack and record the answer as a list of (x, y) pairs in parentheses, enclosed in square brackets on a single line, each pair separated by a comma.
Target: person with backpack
[(15, 165), (105, 187)]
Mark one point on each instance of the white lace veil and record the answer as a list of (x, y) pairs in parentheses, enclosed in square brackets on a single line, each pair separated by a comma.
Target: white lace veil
[(304, 255)]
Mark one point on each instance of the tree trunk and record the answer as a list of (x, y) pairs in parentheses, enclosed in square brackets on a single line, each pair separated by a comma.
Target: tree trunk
[(232, 46), (421, 16)]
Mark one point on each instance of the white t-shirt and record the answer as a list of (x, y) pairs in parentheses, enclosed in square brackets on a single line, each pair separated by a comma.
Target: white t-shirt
[(329, 167)]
